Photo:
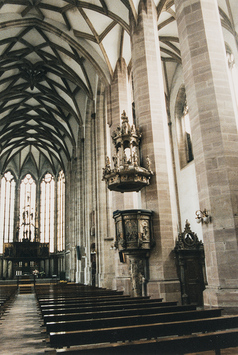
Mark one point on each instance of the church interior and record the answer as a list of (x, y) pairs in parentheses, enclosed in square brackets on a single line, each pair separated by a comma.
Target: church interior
[(119, 170)]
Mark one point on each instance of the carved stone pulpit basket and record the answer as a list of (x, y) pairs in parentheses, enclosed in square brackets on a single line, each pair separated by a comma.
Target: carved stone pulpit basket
[(134, 238)]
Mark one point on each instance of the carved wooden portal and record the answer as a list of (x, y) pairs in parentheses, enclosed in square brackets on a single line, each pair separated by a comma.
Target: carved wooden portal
[(191, 266)]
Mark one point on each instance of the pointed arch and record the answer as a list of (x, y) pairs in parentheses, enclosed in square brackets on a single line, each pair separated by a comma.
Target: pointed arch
[(27, 227), (47, 210), (183, 130), (61, 212), (7, 200)]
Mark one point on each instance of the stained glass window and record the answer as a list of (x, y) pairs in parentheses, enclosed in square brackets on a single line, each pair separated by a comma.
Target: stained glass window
[(61, 212), (27, 208), (183, 130), (7, 200), (185, 122), (233, 78), (47, 211)]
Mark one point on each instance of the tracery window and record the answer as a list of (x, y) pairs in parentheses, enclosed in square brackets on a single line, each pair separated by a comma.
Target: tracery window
[(27, 209), (7, 201), (47, 211), (233, 78), (27, 216), (184, 137), (61, 212), (185, 122)]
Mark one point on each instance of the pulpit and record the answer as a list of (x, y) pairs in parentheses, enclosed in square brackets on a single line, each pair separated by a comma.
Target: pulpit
[(126, 173), (134, 237)]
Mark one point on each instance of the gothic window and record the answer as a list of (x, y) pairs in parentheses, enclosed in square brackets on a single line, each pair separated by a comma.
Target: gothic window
[(7, 200), (27, 208), (47, 210), (134, 113), (185, 121), (184, 136), (61, 212), (233, 78)]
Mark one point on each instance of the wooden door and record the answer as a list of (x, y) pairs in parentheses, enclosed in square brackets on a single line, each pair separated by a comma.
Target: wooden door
[(190, 261), (194, 280)]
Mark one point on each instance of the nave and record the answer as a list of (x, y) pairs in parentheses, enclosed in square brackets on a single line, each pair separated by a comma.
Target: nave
[(118, 127), (79, 319)]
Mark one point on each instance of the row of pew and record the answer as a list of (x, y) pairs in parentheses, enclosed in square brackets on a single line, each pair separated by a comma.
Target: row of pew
[(7, 294), (81, 319)]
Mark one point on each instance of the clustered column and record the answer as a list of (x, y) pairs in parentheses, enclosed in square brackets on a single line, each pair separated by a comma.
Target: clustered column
[(152, 118), (215, 141)]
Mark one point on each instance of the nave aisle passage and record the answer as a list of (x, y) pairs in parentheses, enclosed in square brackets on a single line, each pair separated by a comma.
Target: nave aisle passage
[(20, 328)]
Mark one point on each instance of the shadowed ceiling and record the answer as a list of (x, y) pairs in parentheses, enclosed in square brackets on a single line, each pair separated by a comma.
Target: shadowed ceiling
[(52, 54)]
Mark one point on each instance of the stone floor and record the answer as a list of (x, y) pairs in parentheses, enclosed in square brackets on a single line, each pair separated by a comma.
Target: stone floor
[(20, 328)]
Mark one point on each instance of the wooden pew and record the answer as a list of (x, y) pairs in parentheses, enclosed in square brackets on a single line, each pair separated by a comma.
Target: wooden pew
[(7, 293), (85, 301), (77, 295), (58, 294), (80, 298), (166, 346), (103, 307), (142, 331), (99, 303), (130, 320), (58, 291), (94, 321), (113, 313)]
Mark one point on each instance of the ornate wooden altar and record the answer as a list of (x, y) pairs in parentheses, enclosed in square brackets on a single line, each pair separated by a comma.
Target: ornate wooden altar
[(26, 256), (25, 250)]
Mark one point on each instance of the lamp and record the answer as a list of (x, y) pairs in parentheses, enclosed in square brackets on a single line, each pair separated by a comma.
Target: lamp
[(203, 216)]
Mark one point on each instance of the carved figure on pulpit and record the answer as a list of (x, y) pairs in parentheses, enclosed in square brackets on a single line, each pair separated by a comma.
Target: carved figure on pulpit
[(131, 230), (135, 157), (125, 128), (133, 129), (107, 168), (117, 132), (107, 162), (124, 159), (145, 231), (115, 161), (148, 163)]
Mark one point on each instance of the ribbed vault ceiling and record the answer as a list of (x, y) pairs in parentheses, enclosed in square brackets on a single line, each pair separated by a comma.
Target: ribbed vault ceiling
[(52, 54)]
